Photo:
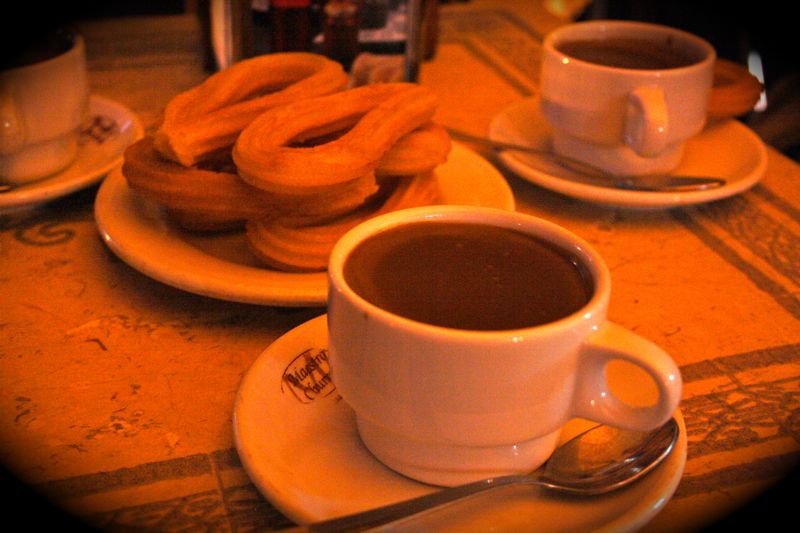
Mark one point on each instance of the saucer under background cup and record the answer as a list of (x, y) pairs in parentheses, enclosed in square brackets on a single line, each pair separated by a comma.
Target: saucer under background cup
[(727, 149)]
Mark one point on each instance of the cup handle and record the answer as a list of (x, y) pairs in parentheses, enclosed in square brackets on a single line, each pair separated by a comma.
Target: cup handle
[(646, 121), (595, 401)]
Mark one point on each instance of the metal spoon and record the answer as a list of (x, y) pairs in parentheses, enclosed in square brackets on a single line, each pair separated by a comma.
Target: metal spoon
[(597, 461), (585, 173)]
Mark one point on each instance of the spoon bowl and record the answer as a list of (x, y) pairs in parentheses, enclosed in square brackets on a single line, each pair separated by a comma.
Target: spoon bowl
[(604, 459), (597, 461)]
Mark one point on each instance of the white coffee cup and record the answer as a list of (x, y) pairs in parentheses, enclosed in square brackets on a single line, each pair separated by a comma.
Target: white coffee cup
[(448, 406), (42, 108), (627, 119)]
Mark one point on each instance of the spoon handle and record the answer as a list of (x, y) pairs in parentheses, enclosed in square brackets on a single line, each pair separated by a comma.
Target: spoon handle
[(406, 508), (594, 176), (641, 454)]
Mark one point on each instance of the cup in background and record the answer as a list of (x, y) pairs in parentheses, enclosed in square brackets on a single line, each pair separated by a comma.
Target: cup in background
[(625, 96), (448, 406), (44, 100)]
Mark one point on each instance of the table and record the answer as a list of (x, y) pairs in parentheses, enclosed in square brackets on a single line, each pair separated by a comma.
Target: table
[(118, 390)]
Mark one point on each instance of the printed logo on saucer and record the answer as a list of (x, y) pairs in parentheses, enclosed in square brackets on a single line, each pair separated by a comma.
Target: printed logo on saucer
[(99, 130), (308, 376)]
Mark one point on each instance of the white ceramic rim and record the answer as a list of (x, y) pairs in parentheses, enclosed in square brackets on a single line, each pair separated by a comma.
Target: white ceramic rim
[(641, 29), (78, 48), (593, 311)]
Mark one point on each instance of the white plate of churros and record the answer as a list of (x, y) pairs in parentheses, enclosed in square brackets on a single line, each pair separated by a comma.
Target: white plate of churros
[(221, 265), (254, 174)]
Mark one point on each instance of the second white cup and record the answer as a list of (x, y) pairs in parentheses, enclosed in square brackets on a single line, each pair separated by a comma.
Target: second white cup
[(624, 96)]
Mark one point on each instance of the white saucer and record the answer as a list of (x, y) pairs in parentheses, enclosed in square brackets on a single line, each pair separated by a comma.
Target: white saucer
[(727, 149), (221, 266), (113, 128), (300, 447)]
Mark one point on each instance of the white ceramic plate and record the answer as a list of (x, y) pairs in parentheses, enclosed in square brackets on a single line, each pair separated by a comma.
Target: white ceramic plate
[(113, 128), (298, 442), (726, 149), (221, 266)]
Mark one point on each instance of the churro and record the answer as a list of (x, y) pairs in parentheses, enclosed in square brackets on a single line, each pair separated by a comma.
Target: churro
[(209, 116)]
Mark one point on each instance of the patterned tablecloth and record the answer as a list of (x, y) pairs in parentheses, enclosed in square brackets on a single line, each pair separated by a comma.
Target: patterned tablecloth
[(118, 390)]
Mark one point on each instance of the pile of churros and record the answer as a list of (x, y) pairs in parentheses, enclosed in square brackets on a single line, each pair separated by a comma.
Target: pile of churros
[(280, 146)]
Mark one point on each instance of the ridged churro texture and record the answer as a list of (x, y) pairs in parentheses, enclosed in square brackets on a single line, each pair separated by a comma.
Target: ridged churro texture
[(210, 116), (375, 118), (285, 245), (197, 193)]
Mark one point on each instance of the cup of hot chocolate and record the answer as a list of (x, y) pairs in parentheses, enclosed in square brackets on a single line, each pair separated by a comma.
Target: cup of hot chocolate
[(44, 101), (465, 338), (624, 96)]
